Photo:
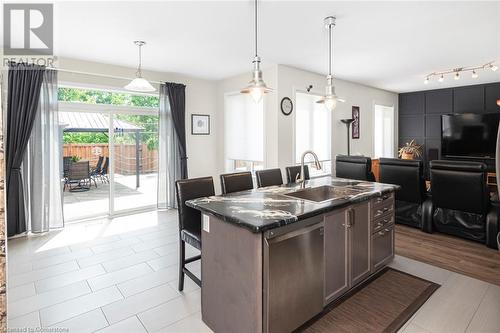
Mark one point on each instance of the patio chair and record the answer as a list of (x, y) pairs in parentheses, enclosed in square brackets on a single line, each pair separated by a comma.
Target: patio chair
[(79, 174), (94, 173), (103, 175)]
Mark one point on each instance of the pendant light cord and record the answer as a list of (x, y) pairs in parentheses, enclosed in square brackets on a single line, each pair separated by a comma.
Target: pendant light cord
[(256, 54), (139, 69), (330, 53)]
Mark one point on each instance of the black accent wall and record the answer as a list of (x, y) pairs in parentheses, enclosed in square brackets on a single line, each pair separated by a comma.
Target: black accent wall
[(420, 112)]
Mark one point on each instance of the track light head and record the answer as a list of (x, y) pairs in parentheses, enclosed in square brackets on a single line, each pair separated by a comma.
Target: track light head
[(441, 78), (474, 75), (457, 76)]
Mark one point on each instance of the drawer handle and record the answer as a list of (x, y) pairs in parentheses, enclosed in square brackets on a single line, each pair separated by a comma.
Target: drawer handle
[(384, 197), (382, 211)]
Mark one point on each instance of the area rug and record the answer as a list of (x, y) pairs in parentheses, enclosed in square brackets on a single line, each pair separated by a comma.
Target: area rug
[(382, 304)]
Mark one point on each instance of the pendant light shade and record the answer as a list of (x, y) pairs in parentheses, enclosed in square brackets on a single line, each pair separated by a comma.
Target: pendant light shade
[(330, 99), (257, 87), (140, 84)]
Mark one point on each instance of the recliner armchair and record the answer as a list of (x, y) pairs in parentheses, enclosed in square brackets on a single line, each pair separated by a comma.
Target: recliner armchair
[(460, 202), (354, 167), (411, 197)]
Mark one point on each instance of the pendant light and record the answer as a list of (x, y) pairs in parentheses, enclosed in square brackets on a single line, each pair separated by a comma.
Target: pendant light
[(140, 84), (330, 99), (257, 87)]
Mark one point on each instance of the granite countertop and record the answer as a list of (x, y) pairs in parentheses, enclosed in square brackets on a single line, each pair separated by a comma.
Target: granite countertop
[(268, 207)]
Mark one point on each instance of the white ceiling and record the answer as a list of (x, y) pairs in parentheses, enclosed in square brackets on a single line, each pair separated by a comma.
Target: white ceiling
[(389, 45)]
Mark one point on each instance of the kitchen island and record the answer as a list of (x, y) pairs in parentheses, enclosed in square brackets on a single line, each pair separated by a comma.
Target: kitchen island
[(274, 257)]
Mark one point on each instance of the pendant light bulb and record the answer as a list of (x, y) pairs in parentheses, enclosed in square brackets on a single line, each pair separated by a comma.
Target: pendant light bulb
[(139, 84), (493, 67), (426, 81), (330, 99), (441, 78), (457, 76), (474, 74), (257, 87)]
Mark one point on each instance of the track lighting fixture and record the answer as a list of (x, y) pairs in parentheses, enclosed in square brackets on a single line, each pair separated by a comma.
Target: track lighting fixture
[(457, 72)]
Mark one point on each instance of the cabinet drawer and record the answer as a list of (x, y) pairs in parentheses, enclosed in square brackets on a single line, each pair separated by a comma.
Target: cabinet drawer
[(382, 221), (383, 200), (382, 209), (382, 247)]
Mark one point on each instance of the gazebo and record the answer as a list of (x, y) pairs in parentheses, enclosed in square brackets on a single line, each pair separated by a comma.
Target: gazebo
[(99, 123)]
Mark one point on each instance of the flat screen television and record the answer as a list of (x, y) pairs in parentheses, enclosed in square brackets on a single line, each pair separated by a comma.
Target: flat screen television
[(469, 135)]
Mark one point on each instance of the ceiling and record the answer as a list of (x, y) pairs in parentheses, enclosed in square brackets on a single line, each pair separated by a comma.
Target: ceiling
[(388, 45)]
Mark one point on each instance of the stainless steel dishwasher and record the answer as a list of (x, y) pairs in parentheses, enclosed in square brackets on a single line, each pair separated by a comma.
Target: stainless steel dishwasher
[(293, 275)]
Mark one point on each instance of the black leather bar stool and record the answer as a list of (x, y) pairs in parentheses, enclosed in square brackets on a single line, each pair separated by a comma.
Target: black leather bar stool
[(354, 167), (269, 177), (190, 221), (461, 204), (409, 174), (292, 172), (235, 182)]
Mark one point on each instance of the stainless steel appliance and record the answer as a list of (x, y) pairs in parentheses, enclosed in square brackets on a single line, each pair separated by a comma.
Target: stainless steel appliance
[(293, 275)]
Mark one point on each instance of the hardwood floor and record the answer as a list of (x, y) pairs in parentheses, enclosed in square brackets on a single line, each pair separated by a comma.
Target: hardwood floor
[(452, 253)]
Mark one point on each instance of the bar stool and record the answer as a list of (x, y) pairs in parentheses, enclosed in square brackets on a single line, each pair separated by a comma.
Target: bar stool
[(354, 167), (292, 172), (269, 177), (235, 182), (190, 221)]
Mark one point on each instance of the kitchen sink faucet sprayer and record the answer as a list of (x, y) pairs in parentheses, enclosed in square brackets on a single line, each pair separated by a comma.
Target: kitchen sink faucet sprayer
[(301, 178)]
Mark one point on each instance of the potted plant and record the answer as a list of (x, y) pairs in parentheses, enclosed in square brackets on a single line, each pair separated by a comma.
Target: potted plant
[(75, 158), (410, 150)]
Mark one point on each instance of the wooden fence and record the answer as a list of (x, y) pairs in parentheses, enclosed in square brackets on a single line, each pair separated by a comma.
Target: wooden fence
[(125, 154)]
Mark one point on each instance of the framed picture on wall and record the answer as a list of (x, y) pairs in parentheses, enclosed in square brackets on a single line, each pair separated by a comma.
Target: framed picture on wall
[(200, 124), (355, 123)]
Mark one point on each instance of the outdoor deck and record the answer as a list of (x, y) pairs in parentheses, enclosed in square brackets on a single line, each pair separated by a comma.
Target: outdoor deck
[(78, 205)]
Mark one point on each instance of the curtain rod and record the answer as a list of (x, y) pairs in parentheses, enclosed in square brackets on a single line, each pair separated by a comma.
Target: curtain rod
[(96, 74)]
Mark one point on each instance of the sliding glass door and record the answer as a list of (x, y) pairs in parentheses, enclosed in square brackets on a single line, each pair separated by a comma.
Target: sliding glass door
[(135, 159), (110, 152)]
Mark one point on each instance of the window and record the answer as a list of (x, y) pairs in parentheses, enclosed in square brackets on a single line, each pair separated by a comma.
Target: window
[(313, 131), (243, 133), (384, 131)]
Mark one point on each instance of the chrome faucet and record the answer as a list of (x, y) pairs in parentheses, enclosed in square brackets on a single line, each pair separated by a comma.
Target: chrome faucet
[(300, 178)]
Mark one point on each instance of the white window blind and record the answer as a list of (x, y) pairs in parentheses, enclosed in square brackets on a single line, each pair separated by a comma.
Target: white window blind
[(313, 128), (243, 128), (384, 131)]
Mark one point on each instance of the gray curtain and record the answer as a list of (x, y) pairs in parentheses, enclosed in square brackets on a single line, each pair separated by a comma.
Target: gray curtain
[(42, 163), (24, 83), (171, 151)]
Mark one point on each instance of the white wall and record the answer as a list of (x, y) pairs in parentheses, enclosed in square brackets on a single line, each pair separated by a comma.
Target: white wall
[(292, 79), (235, 84), (200, 99)]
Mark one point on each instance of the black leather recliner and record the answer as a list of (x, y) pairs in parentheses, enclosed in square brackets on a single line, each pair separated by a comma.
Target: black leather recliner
[(354, 167), (460, 202), (411, 197)]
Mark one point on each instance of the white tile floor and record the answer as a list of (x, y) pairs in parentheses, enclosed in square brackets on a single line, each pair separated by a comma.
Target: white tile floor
[(121, 276)]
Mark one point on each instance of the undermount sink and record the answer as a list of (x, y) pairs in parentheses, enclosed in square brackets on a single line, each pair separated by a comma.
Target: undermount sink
[(323, 193), (345, 182)]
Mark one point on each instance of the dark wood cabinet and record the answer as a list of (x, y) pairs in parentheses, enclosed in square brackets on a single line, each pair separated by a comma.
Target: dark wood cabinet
[(492, 94), (411, 103), (347, 249), (468, 99), (439, 101)]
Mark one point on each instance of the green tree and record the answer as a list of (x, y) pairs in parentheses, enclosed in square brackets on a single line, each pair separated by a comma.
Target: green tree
[(149, 123)]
